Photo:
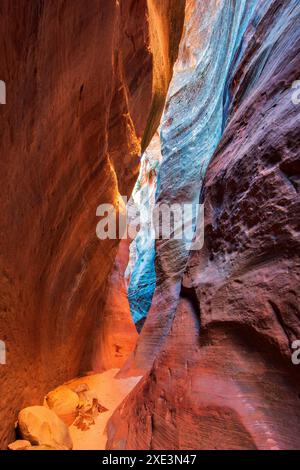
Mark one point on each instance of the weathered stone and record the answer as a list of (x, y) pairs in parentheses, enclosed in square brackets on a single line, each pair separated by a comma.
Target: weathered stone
[(45, 447), (41, 426), (81, 388)]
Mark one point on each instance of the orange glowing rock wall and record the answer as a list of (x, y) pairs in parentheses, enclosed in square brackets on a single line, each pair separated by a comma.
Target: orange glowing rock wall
[(81, 83)]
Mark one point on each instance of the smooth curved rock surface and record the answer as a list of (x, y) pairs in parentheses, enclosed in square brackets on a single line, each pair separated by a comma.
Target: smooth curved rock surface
[(222, 376), (191, 129), (118, 335), (42, 426)]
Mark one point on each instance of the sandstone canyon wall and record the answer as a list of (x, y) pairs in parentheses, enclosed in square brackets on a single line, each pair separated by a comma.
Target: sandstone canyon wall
[(117, 334), (191, 129), (86, 83), (217, 343), (140, 270)]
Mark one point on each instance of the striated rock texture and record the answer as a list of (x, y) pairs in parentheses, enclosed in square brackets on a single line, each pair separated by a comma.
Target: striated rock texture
[(82, 84), (221, 376)]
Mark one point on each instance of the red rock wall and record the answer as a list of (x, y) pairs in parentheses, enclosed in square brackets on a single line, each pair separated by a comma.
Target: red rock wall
[(80, 88), (223, 377)]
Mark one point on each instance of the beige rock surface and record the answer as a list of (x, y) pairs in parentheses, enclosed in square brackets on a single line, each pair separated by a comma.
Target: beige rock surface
[(42, 426), (19, 444)]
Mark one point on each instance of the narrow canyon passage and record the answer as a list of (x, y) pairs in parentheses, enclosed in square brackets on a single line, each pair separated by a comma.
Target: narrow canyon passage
[(150, 238), (110, 392)]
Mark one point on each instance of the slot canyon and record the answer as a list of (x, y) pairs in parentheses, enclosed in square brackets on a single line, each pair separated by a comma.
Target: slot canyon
[(145, 342)]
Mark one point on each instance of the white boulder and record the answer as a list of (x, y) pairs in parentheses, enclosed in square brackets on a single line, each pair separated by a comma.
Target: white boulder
[(42, 426)]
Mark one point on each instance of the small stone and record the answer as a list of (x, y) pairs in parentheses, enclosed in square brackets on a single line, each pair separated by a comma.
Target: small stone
[(41, 426), (46, 447), (19, 445)]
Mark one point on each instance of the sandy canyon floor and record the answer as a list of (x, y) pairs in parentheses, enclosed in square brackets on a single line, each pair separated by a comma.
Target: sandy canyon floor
[(110, 392)]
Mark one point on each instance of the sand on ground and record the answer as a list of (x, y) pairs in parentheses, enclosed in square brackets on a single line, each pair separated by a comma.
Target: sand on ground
[(110, 393)]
